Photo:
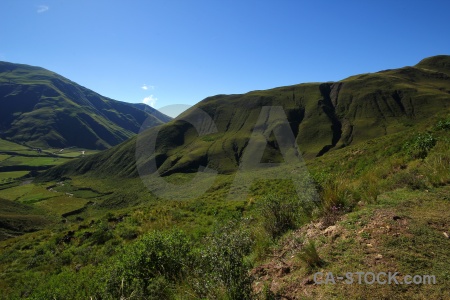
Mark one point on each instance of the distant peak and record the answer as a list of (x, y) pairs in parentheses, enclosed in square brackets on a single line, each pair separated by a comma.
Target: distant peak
[(6, 66), (439, 63)]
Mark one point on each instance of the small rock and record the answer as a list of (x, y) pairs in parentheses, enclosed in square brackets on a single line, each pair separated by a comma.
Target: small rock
[(446, 234), (369, 245), (379, 256)]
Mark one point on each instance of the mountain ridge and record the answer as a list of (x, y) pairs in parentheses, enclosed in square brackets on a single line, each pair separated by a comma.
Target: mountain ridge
[(45, 109), (323, 116)]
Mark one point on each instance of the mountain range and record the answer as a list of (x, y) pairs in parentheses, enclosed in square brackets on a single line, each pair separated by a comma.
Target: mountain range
[(323, 117)]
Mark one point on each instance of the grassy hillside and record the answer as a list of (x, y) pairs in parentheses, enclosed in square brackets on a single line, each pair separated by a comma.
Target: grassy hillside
[(44, 109), (376, 201), (382, 208), (17, 218), (323, 117)]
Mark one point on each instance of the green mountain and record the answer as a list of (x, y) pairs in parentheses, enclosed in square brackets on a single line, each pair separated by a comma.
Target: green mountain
[(377, 153), (44, 109), (323, 117)]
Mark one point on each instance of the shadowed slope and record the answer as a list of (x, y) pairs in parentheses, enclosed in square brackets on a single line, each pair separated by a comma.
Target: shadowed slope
[(323, 117), (44, 109), (17, 218)]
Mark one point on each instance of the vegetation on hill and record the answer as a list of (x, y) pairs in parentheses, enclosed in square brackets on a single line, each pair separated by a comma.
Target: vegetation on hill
[(323, 117), (44, 109), (383, 202)]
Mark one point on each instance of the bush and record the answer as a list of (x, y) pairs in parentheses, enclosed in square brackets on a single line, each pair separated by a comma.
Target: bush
[(102, 234), (443, 124), (222, 271), (419, 146), (279, 214), (267, 294), (150, 267), (369, 187), (309, 255), (436, 166), (262, 243), (410, 178), (127, 232), (335, 193)]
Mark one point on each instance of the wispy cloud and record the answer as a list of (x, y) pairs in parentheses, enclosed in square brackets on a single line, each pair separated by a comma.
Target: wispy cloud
[(150, 100), (42, 8), (147, 87)]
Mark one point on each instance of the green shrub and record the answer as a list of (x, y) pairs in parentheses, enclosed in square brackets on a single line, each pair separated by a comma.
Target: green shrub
[(410, 178), (150, 267), (102, 234), (222, 271), (443, 124), (436, 166), (335, 193), (262, 243), (419, 146), (279, 214), (309, 255), (267, 294), (369, 188), (127, 232)]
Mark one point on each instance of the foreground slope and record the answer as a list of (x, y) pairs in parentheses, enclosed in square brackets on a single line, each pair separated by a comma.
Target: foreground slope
[(44, 109), (322, 116)]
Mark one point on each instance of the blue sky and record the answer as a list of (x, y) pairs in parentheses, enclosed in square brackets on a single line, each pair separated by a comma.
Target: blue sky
[(184, 51)]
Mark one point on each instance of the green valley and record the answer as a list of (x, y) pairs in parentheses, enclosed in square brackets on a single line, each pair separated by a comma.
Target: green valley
[(375, 172)]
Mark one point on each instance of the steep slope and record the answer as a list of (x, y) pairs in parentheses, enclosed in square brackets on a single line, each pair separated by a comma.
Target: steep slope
[(322, 116), (44, 109), (17, 218)]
